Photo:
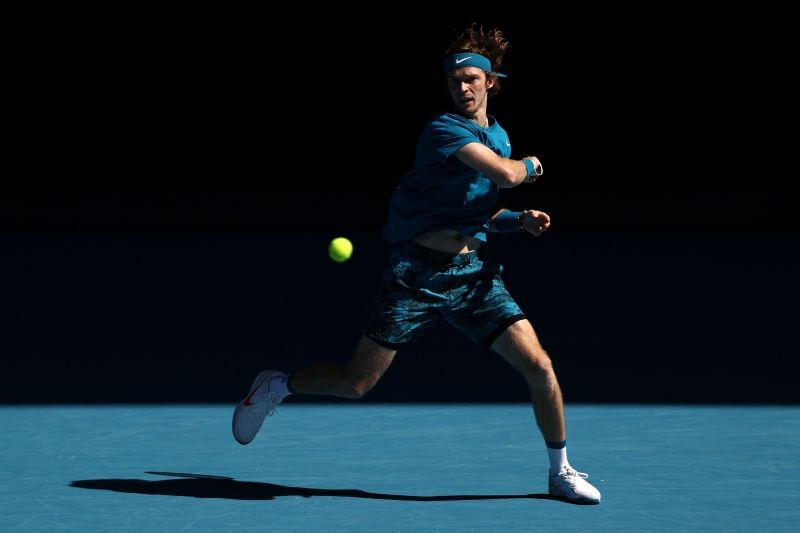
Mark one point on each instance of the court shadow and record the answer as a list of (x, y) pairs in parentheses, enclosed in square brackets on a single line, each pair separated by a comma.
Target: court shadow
[(204, 486)]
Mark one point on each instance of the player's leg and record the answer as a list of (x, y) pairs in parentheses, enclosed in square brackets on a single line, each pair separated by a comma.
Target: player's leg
[(352, 379), (520, 346), (349, 380), (486, 313), (403, 312)]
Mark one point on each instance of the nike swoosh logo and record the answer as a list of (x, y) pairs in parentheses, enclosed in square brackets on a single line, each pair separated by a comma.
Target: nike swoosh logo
[(247, 401), (462, 59)]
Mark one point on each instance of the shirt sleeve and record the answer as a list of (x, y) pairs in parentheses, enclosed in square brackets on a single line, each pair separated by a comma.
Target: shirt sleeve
[(447, 137)]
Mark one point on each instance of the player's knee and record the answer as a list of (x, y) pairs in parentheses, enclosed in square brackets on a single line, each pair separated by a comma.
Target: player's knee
[(538, 366), (359, 388)]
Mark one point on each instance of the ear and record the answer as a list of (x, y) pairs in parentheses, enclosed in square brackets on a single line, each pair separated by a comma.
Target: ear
[(489, 82)]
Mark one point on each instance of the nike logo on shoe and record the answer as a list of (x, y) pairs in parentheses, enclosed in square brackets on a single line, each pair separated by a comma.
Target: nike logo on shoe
[(247, 401), (462, 59)]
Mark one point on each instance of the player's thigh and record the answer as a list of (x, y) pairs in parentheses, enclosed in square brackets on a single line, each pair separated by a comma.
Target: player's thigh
[(519, 345)]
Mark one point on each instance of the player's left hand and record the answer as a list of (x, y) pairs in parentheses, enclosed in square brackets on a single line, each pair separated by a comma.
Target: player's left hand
[(535, 222)]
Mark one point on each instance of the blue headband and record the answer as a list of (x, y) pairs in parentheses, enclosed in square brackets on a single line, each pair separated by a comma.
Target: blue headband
[(469, 59)]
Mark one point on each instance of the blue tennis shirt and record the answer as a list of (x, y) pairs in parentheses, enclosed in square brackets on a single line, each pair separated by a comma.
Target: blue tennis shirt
[(441, 192)]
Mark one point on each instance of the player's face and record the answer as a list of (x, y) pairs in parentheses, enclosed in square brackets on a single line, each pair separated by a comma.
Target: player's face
[(469, 88)]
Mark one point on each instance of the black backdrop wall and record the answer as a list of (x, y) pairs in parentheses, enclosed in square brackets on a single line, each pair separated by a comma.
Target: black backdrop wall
[(185, 168), (205, 96)]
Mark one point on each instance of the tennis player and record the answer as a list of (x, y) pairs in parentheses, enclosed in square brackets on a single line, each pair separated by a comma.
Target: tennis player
[(438, 219)]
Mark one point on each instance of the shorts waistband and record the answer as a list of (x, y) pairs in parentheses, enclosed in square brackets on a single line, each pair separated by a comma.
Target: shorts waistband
[(435, 257)]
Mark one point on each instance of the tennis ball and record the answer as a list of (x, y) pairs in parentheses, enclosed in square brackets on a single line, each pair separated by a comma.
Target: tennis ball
[(340, 249)]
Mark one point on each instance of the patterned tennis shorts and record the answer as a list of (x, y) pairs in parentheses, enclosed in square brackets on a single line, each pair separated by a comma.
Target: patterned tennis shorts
[(422, 286)]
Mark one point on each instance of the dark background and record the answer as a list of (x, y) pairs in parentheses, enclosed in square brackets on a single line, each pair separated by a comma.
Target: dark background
[(178, 174)]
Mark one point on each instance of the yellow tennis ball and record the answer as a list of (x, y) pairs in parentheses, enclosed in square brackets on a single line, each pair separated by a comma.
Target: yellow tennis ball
[(340, 249)]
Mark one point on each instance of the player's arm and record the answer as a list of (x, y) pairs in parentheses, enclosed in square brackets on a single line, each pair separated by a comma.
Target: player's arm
[(505, 221), (506, 173)]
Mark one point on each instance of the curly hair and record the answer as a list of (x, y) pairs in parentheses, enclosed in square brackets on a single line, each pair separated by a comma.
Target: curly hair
[(491, 44)]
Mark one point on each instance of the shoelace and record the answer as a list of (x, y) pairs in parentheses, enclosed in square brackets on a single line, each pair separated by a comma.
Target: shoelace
[(270, 404), (571, 472)]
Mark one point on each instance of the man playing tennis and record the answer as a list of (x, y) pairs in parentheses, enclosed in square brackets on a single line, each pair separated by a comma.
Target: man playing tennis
[(438, 219)]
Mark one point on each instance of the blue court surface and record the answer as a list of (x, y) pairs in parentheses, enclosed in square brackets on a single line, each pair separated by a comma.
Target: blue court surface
[(374, 467)]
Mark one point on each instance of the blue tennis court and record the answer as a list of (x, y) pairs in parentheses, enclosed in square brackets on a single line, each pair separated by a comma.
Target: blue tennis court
[(374, 467)]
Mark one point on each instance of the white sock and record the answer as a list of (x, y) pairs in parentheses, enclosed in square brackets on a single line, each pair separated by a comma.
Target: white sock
[(557, 452), (280, 386)]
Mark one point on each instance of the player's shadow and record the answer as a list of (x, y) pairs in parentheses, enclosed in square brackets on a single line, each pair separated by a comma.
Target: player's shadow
[(203, 486)]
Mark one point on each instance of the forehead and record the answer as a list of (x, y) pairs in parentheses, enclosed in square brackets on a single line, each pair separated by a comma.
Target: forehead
[(466, 74)]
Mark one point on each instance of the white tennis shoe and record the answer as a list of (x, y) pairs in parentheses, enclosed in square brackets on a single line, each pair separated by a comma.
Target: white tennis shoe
[(259, 403), (571, 485)]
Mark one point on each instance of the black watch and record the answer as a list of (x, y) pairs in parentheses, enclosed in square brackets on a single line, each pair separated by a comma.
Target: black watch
[(519, 221)]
